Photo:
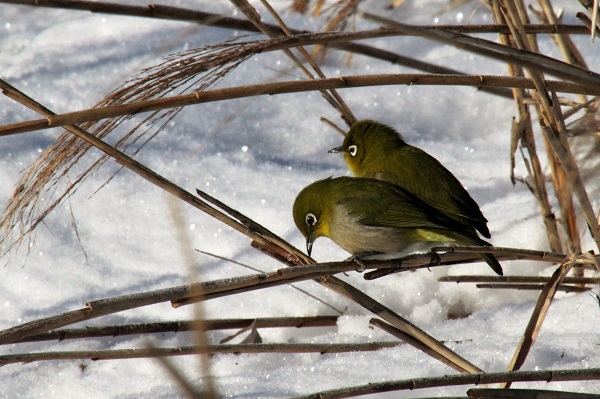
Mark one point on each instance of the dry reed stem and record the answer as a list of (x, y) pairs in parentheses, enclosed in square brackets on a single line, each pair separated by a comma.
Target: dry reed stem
[(99, 308), (538, 316), (211, 289), (159, 11), (562, 188), (285, 87), (522, 133), (229, 286), (182, 326), (195, 350), (515, 393), (517, 279), (130, 163), (533, 287), (454, 380), (592, 7), (554, 129), (417, 344)]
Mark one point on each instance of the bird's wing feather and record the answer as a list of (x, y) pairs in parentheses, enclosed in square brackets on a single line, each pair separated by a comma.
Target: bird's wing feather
[(396, 208)]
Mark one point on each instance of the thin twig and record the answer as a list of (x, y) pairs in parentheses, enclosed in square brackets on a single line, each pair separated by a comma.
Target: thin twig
[(515, 393), (181, 326), (195, 350), (305, 292), (533, 287), (453, 380), (517, 279)]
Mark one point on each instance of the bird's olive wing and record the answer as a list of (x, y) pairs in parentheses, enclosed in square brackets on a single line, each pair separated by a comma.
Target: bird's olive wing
[(392, 206), (438, 185)]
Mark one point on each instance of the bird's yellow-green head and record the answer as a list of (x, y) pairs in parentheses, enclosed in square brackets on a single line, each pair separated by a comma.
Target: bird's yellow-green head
[(367, 144), (312, 212)]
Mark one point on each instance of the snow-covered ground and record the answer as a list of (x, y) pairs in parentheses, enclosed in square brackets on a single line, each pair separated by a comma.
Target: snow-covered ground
[(255, 155)]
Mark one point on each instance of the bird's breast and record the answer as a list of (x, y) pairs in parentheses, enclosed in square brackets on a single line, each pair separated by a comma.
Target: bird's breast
[(356, 238)]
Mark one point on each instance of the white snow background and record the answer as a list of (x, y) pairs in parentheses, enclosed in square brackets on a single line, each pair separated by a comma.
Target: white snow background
[(255, 154)]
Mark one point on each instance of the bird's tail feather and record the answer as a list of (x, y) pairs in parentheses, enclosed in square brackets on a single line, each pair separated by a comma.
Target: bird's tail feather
[(489, 258)]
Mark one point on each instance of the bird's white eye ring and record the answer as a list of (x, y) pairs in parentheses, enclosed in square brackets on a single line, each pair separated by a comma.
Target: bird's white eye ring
[(352, 150), (310, 219)]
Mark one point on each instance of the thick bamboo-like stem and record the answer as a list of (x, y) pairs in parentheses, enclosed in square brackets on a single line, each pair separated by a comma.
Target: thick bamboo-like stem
[(554, 130)]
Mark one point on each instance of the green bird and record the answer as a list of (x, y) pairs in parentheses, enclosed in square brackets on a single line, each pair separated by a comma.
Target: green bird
[(372, 149), (368, 217)]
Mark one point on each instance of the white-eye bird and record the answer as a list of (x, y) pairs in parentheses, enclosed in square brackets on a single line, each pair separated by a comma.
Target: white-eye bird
[(367, 217), (372, 149)]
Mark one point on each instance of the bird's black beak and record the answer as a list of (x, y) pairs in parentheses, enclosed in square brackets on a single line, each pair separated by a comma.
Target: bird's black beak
[(309, 242), (336, 150)]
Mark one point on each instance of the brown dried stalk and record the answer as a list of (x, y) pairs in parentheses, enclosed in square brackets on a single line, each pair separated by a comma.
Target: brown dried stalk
[(417, 344), (562, 188), (537, 318), (515, 393), (533, 287), (592, 6), (181, 326), (210, 19), (285, 87), (517, 279), (195, 350), (200, 338), (453, 380), (522, 133), (554, 129)]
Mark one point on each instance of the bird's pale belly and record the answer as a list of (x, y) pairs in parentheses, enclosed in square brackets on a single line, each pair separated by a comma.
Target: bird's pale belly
[(359, 239)]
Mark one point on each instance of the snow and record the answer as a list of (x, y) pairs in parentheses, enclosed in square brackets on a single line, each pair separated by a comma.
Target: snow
[(255, 155)]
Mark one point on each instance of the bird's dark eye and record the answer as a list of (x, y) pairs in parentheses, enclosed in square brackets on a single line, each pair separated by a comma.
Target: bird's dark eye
[(311, 219), (352, 150)]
